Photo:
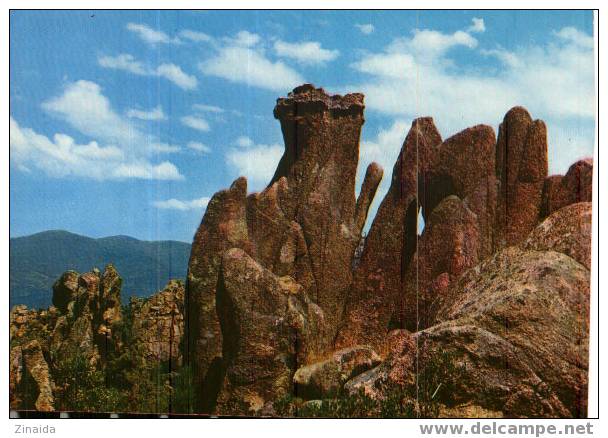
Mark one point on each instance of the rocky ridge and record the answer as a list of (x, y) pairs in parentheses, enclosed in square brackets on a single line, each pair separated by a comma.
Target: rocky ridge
[(281, 284), (85, 331)]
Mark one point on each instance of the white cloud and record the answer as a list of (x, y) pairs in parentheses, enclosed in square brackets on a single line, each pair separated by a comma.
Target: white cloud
[(478, 25), (169, 71), (83, 106), (125, 62), (415, 77), (365, 29), (199, 147), (407, 81), (195, 122), (149, 35), (256, 162), (308, 52), (62, 156), (241, 60), (176, 75), (118, 148), (244, 39), (575, 36), (154, 114), (176, 204), (244, 142), (197, 37), (207, 108)]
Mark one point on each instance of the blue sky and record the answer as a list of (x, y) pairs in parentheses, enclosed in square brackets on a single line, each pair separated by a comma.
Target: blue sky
[(128, 122)]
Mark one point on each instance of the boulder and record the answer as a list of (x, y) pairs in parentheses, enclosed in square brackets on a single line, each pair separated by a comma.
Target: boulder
[(269, 327), (65, 290), (326, 379), (513, 336), (397, 371), (568, 230), (521, 169), (576, 186)]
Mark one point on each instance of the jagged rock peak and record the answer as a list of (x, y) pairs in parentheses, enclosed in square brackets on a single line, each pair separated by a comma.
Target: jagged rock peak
[(308, 99)]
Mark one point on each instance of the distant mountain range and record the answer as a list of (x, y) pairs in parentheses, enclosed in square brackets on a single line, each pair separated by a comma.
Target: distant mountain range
[(36, 261)]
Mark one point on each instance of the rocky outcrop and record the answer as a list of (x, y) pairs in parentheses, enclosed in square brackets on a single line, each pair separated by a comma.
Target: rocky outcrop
[(269, 326), (306, 224), (390, 244), (521, 319), (568, 231), (326, 379), (36, 370), (86, 326), (88, 329), (516, 332), (521, 169), (449, 245), (158, 325), (384, 290), (65, 290), (576, 186), (477, 194)]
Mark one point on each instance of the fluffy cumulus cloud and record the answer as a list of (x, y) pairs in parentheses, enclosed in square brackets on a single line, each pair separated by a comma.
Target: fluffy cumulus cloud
[(257, 162), (119, 148), (169, 71), (415, 76), (182, 205), (242, 59), (308, 52)]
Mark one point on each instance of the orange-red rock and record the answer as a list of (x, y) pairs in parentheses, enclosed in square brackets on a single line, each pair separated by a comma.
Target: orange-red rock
[(448, 246), (521, 169), (305, 224), (568, 230), (390, 244), (575, 186)]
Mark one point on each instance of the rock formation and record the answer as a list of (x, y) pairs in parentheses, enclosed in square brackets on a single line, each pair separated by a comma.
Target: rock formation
[(288, 308), (521, 169), (576, 186), (158, 325), (87, 322), (449, 245), (284, 296), (269, 326), (305, 224), (378, 281), (568, 231)]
